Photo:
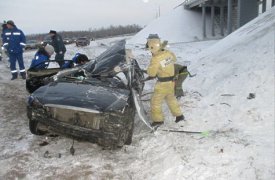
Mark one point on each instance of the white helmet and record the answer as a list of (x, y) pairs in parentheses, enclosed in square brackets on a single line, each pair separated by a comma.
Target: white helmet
[(49, 49), (153, 43)]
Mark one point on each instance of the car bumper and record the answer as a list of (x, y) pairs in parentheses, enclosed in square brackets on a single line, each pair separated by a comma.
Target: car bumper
[(103, 128)]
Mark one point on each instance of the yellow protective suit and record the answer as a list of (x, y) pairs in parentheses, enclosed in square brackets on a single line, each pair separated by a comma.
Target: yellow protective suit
[(162, 66)]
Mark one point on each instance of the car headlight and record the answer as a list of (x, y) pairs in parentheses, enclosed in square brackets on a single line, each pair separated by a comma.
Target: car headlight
[(32, 101)]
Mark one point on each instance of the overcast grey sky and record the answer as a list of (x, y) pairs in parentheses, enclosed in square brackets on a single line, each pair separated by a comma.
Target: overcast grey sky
[(39, 16)]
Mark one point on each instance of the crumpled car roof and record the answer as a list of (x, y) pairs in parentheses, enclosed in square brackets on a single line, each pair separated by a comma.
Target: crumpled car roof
[(110, 58)]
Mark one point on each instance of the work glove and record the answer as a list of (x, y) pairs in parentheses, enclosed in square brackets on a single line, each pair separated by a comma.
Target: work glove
[(81, 78), (144, 71), (147, 79), (4, 47)]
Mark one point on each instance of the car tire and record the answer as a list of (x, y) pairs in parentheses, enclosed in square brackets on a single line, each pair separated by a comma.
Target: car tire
[(29, 86), (130, 134), (33, 126), (122, 137)]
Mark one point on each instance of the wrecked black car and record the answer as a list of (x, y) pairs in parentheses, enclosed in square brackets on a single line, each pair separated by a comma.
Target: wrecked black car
[(37, 77), (92, 102)]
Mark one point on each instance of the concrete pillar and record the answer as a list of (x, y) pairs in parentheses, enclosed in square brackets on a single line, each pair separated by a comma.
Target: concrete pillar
[(247, 10), (203, 21), (222, 19), (212, 20), (263, 6), (239, 14), (229, 17)]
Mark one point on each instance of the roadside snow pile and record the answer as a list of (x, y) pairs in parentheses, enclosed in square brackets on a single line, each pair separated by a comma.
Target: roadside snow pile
[(186, 26), (227, 73), (240, 64)]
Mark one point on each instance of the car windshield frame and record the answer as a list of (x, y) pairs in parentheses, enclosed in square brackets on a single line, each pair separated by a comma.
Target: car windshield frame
[(108, 60)]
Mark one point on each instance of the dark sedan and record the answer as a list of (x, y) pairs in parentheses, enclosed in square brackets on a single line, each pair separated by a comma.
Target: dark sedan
[(83, 41), (91, 101), (32, 44)]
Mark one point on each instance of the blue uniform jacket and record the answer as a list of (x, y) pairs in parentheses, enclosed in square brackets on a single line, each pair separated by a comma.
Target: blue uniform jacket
[(37, 62), (70, 64), (2, 35), (14, 40)]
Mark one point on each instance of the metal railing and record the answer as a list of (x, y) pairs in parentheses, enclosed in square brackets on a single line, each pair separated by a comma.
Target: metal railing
[(188, 1), (192, 3)]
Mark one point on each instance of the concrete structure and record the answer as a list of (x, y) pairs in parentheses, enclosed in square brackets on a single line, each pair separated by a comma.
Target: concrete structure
[(248, 10), (1, 34), (226, 15)]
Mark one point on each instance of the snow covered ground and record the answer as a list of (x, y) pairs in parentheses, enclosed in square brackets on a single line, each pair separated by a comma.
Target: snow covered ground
[(240, 144), (185, 26)]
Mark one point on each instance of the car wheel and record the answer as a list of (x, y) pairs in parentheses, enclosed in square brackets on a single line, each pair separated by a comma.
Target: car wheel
[(33, 126), (29, 86), (122, 138), (130, 134)]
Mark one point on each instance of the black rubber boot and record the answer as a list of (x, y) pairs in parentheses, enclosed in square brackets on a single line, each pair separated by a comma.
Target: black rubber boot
[(23, 75), (179, 118), (14, 76), (156, 124)]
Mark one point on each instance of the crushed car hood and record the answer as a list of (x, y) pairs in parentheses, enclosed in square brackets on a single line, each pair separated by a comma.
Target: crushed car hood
[(82, 96)]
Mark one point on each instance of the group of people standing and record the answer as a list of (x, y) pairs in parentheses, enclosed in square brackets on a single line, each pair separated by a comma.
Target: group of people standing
[(14, 43), (162, 66)]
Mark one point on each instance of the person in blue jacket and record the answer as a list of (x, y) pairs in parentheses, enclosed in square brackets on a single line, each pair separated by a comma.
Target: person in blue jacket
[(78, 60), (14, 41), (4, 29), (41, 57)]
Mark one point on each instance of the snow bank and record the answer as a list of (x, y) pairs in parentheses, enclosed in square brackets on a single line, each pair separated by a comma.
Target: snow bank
[(246, 57), (227, 73), (242, 143), (180, 25)]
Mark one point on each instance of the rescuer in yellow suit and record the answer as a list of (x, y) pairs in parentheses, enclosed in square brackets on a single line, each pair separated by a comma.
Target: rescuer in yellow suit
[(162, 67)]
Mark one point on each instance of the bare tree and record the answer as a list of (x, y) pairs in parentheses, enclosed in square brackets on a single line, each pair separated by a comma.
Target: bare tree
[(94, 33)]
